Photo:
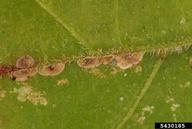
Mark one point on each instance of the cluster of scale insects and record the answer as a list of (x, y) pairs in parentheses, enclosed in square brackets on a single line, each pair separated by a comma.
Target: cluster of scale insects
[(26, 67)]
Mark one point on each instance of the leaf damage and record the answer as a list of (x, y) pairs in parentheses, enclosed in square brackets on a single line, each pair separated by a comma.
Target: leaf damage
[(26, 67)]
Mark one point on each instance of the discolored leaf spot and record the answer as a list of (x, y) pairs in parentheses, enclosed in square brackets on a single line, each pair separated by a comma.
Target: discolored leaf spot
[(127, 60), (62, 82), (115, 71), (138, 69), (27, 93), (89, 62), (25, 62), (2, 94), (97, 72), (51, 70)]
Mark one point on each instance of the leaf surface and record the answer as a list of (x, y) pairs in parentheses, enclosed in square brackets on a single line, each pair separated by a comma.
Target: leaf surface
[(158, 89)]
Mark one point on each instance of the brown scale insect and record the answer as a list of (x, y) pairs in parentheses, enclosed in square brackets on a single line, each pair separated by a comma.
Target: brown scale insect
[(25, 62), (26, 69), (23, 74), (89, 62), (128, 60), (107, 59), (23, 69), (52, 69)]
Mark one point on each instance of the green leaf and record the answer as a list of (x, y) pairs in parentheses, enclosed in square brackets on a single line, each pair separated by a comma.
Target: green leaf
[(133, 24), (158, 89)]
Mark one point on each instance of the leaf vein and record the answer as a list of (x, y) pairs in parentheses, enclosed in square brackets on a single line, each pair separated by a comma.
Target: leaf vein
[(142, 93), (60, 21)]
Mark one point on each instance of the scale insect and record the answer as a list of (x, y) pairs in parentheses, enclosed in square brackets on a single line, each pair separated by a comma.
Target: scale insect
[(26, 67), (89, 62), (21, 71), (128, 60), (52, 69), (121, 60), (25, 62), (23, 74), (107, 59)]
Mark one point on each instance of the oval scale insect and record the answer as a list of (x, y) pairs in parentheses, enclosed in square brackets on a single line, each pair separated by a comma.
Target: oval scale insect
[(128, 60), (89, 62), (21, 71), (25, 62), (52, 69)]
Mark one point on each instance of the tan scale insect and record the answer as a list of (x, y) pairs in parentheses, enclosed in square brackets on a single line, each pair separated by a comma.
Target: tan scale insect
[(107, 59), (128, 60), (51, 70), (23, 74), (25, 62), (89, 62), (24, 69)]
